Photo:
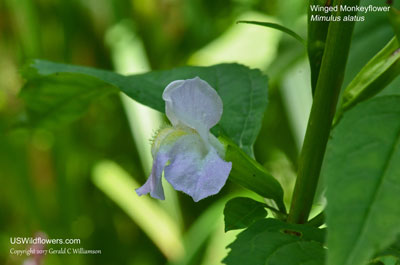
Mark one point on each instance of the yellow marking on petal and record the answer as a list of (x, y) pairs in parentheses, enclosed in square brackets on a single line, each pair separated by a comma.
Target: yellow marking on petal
[(169, 135)]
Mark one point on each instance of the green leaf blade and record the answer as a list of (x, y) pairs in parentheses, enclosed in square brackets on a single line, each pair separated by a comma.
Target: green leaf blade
[(251, 175), (272, 242), (243, 91), (362, 175), (62, 98), (299, 253), (241, 212)]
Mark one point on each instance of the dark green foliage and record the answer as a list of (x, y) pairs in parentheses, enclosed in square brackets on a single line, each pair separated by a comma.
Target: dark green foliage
[(362, 175), (241, 212), (317, 31), (394, 18), (393, 251), (61, 98), (272, 242), (251, 175)]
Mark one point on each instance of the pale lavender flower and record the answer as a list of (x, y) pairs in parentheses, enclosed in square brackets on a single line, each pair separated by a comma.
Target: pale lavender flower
[(37, 249), (188, 154)]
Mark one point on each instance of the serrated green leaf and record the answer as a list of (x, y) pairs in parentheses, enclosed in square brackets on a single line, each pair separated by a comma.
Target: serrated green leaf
[(361, 170), (61, 98), (272, 242), (241, 212), (374, 76), (243, 92)]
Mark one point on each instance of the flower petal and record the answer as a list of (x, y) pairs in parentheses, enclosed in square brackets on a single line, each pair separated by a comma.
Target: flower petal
[(195, 170), (193, 103), (153, 184)]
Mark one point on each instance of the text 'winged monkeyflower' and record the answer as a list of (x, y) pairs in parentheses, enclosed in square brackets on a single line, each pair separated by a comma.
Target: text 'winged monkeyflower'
[(188, 154)]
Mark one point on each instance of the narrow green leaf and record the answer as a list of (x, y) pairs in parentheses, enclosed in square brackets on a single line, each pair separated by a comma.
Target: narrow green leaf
[(361, 170), (241, 212), (374, 76), (199, 232), (277, 27), (317, 32), (58, 92), (272, 242), (251, 175)]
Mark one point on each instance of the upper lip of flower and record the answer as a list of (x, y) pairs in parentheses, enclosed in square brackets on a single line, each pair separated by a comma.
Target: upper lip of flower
[(195, 166), (193, 103)]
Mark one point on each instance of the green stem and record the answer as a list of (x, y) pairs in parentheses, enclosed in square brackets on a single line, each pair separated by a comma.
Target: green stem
[(322, 112)]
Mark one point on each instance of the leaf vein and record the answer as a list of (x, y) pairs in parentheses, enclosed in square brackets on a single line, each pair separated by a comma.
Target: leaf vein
[(377, 191)]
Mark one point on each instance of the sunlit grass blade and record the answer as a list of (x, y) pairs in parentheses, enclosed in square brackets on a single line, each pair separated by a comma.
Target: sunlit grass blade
[(129, 57), (277, 27), (208, 226), (145, 212), (26, 19), (260, 44), (200, 231), (215, 252)]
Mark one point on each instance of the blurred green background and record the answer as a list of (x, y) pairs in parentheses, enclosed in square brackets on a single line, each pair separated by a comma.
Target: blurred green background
[(78, 181)]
